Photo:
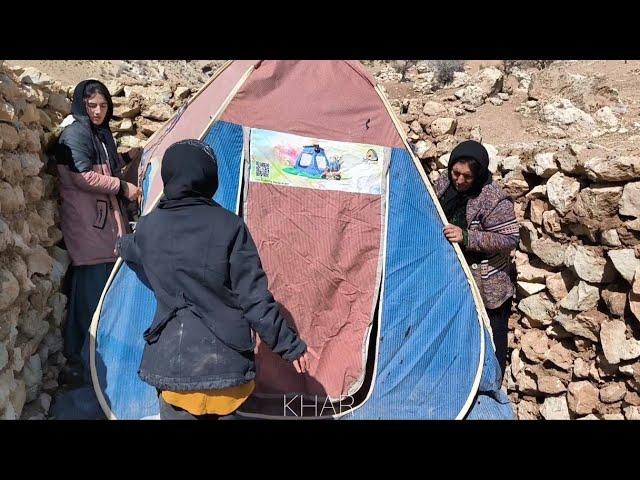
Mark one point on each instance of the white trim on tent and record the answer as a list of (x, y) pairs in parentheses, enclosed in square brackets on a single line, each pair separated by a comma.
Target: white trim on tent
[(241, 176), (227, 100), (377, 295)]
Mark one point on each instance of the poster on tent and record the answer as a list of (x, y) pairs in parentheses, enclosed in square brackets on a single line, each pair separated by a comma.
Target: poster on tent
[(295, 161)]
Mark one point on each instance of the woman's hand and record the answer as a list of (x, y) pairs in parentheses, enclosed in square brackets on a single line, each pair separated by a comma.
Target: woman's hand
[(453, 233), (130, 191)]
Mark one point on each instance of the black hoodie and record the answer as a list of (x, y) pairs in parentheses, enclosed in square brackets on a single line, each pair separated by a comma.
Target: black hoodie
[(206, 274), (189, 171)]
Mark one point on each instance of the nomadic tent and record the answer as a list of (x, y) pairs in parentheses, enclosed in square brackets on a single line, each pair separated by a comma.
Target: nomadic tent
[(354, 254)]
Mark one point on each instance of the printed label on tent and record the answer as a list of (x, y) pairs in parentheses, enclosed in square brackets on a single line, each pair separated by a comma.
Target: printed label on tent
[(296, 161)]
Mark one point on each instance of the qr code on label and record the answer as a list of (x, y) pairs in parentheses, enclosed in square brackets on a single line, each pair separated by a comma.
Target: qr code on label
[(262, 169)]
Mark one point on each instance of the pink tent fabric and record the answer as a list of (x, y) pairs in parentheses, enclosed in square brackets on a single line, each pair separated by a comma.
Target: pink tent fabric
[(320, 250), (334, 100)]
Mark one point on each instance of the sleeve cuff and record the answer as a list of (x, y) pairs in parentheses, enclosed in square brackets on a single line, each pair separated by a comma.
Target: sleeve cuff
[(296, 352)]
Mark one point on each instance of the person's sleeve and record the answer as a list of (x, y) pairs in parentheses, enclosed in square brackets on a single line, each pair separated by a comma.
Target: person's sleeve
[(249, 282), (77, 154), (128, 249), (500, 231)]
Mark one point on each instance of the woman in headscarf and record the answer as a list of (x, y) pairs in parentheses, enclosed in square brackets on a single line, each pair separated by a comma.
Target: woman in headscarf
[(482, 221), (211, 292), (92, 211)]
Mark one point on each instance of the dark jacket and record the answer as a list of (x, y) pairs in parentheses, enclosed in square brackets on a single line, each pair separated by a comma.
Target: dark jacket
[(92, 216), (209, 284)]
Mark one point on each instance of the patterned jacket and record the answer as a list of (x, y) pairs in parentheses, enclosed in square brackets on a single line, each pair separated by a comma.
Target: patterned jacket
[(493, 231)]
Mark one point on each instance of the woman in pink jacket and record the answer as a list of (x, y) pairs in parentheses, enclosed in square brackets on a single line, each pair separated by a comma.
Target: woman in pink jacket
[(92, 211)]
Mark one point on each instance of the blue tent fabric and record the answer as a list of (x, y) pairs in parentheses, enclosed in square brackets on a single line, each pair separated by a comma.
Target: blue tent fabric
[(119, 344), (493, 405), (226, 139), (428, 312)]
